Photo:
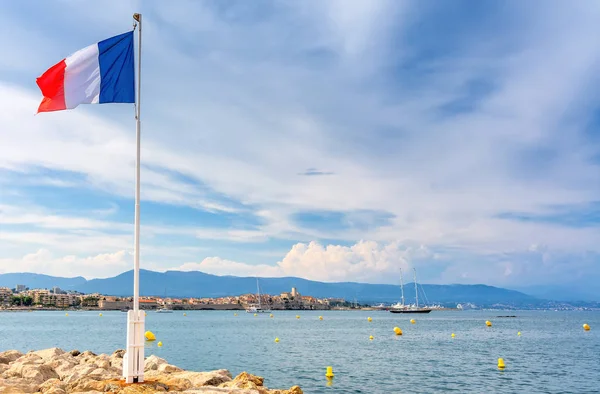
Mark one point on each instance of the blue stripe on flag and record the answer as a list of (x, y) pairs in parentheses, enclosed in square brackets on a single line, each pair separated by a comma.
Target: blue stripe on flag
[(117, 75)]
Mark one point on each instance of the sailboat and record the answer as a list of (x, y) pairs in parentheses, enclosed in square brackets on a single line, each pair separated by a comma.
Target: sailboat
[(164, 308), (403, 308), (257, 308)]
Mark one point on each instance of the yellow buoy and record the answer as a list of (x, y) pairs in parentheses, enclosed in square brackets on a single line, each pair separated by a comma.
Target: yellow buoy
[(329, 372), (149, 335), (397, 330), (412, 321), (159, 344), (586, 327), (297, 316), (320, 317), (453, 335), (276, 339), (235, 314), (271, 315), (100, 315), (501, 363), (369, 319), (185, 314), (519, 333), (371, 337), (256, 314), (145, 314), (488, 323), (66, 314)]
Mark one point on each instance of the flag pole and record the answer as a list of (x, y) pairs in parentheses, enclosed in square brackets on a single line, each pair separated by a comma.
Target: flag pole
[(133, 360), (136, 273)]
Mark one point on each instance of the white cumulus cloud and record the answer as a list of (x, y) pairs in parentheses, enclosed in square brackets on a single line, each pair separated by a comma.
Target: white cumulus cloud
[(365, 261)]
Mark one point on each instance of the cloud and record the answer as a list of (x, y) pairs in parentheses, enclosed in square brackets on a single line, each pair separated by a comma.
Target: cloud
[(315, 172), (44, 261), (365, 261)]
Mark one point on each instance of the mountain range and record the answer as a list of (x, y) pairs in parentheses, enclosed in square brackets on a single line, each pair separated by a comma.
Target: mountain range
[(199, 284)]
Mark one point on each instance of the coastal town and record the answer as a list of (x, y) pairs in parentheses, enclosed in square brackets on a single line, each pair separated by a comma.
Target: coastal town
[(21, 297)]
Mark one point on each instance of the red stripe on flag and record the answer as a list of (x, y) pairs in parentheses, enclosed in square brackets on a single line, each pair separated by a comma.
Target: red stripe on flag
[(52, 85)]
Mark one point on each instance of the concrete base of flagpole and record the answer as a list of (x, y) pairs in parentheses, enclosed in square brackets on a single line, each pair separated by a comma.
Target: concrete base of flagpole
[(133, 360)]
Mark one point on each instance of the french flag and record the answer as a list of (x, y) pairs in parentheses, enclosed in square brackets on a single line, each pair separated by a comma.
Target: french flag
[(97, 74)]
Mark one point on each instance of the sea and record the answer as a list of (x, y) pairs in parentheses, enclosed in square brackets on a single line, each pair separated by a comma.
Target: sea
[(553, 354)]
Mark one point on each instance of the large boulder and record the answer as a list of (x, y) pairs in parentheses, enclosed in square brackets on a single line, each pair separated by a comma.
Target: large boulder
[(116, 359), (78, 372), (55, 390), (38, 373), (246, 381), (200, 379), (30, 372), (172, 382), (153, 362), (9, 356), (86, 384), (17, 386), (52, 386), (168, 368), (29, 358), (49, 354)]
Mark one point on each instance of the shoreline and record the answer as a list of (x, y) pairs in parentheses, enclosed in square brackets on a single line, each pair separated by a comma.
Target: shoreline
[(54, 371)]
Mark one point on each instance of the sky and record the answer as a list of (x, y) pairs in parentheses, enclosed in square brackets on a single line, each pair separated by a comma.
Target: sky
[(331, 140)]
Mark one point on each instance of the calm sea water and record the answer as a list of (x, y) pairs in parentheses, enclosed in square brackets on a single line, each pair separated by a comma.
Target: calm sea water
[(553, 355)]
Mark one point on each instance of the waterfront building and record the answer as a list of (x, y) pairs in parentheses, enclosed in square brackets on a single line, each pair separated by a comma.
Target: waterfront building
[(5, 295)]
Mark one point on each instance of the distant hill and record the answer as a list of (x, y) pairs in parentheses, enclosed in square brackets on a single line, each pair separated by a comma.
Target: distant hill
[(568, 293), (199, 284), (39, 281)]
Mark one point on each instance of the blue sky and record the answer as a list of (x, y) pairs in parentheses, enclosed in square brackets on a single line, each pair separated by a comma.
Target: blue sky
[(331, 140)]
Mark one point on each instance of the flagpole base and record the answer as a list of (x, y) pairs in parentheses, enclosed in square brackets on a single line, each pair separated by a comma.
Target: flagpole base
[(133, 360)]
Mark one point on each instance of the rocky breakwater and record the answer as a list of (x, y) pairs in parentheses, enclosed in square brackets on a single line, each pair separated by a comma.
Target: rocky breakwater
[(54, 371)]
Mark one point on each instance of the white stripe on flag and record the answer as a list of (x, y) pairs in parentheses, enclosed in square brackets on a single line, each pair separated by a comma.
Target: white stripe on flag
[(82, 77)]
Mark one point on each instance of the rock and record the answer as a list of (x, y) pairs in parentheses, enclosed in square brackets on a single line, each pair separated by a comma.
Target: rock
[(116, 359), (246, 377), (38, 373), (86, 384), (55, 390), (117, 363), (28, 368), (51, 385), (173, 382), (168, 368), (49, 354), (78, 372), (63, 368), (88, 353), (29, 358), (9, 356), (74, 353), (246, 381), (199, 379), (153, 362), (17, 386)]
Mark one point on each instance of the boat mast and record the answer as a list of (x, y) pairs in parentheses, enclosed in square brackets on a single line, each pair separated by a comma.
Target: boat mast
[(416, 288), (402, 286)]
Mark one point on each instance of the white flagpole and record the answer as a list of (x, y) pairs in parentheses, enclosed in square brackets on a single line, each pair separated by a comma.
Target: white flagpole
[(133, 362), (136, 258)]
